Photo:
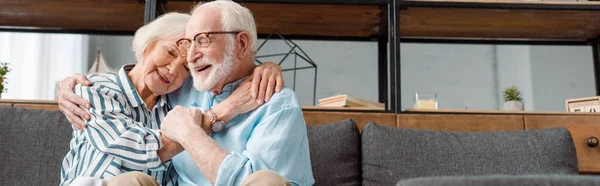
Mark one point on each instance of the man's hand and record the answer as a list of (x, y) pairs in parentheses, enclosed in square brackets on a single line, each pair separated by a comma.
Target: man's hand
[(169, 149), (181, 122), (69, 102), (266, 80)]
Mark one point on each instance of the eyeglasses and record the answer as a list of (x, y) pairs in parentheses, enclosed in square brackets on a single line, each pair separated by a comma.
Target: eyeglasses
[(201, 39)]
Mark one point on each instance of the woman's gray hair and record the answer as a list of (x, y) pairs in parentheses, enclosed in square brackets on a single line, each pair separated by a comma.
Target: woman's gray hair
[(169, 25)]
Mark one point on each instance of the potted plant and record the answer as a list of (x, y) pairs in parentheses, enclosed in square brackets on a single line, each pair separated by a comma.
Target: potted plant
[(513, 99), (3, 71)]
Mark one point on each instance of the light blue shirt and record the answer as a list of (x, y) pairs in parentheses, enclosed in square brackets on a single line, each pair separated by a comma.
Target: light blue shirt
[(271, 137)]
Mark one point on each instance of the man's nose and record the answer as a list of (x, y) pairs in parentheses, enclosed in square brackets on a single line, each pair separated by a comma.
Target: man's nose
[(194, 54)]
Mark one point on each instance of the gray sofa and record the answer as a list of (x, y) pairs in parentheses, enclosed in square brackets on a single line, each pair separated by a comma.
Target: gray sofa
[(37, 140)]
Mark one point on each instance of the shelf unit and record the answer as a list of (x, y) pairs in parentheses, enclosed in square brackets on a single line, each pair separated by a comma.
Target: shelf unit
[(492, 22), (388, 22), (350, 20)]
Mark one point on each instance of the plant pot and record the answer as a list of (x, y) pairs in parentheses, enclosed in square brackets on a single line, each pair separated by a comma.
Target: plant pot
[(514, 105)]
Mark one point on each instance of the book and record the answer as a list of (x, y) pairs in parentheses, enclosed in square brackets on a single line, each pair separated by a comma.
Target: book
[(344, 100)]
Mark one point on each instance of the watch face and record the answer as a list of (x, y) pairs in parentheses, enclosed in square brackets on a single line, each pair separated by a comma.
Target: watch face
[(218, 126)]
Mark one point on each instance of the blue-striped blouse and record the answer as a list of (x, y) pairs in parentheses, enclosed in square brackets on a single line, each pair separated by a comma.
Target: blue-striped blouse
[(122, 134)]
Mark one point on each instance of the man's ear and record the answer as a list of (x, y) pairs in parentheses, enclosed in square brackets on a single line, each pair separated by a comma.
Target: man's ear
[(244, 43)]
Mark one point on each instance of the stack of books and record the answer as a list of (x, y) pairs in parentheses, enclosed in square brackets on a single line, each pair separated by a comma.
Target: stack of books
[(347, 101)]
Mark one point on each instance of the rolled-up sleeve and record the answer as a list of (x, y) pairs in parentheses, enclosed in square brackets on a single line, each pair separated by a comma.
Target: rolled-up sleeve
[(278, 143), (112, 131)]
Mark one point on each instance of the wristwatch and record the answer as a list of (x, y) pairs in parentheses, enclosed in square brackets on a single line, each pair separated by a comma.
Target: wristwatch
[(216, 124)]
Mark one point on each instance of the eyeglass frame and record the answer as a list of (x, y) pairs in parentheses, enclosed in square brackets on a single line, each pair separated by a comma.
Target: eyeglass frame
[(197, 43)]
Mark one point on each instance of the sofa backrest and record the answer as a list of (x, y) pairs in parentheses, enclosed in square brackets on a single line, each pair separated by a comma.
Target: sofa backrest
[(392, 154), (335, 153), (34, 144)]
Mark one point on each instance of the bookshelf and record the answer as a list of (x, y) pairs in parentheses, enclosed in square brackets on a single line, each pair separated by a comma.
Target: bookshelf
[(491, 22), (388, 22)]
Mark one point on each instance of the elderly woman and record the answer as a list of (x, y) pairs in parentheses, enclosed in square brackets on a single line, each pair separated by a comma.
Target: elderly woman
[(126, 109)]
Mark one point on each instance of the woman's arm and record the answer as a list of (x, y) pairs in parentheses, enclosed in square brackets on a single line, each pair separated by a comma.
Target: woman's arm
[(112, 130), (265, 81), (70, 104)]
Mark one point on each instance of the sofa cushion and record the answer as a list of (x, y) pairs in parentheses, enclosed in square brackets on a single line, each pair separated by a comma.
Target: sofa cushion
[(393, 154), (34, 144), (503, 180), (335, 153)]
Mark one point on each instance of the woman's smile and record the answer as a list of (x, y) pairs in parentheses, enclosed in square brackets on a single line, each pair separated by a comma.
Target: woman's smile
[(162, 77)]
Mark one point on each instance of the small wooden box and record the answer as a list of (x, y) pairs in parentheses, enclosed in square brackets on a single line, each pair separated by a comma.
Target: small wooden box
[(589, 104)]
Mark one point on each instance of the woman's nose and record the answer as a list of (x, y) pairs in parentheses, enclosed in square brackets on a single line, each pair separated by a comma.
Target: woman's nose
[(173, 66)]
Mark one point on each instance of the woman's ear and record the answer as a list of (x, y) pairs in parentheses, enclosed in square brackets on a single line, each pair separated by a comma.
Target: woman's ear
[(244, 43)]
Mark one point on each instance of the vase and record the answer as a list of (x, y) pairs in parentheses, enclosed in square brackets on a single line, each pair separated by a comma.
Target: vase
[(514, 105)]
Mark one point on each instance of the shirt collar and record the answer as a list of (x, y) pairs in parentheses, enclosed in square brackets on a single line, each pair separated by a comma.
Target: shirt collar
[(129, 90), (228, 89)]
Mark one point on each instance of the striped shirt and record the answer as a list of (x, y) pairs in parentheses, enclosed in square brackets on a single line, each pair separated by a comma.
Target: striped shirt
[(122, 134)]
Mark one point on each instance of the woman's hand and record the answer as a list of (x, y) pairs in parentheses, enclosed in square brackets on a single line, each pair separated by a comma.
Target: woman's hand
[(69, 103), (241, 100), (266, 80)]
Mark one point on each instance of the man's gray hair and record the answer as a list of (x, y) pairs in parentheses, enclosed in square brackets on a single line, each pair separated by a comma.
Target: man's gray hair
[(169, 25), (234, 17)]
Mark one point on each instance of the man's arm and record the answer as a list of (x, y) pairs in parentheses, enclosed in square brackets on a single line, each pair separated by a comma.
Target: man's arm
[(278, 143)]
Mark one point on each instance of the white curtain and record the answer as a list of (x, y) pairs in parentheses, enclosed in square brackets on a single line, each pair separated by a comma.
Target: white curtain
[(38, 61)]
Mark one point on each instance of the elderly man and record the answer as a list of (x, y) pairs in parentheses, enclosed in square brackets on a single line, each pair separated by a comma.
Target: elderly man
[(267, 146), (272, 137)]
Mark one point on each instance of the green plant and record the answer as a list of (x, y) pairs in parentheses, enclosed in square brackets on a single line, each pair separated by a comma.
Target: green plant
[(512, 94), (3, 71)]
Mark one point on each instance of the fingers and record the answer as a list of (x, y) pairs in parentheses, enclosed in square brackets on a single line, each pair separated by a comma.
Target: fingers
[(77, 122), (81, 79), (75, 99), (196, 112), (255, 83), (262, 87), (270, 88), (75, 110), (68, 84), (279, 84)]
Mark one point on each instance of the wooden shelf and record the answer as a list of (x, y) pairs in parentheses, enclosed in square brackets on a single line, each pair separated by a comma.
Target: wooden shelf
[(308, 19), (313, 108), (32, 104), (422, 111), (339, 19), (83, 16), (27, 101), (510, 20)]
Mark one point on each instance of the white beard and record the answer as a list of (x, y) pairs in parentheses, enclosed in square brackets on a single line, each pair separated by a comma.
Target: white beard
[(218, 72)]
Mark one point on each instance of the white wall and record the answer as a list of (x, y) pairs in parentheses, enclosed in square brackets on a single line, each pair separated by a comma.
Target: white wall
[(470, 76), (115, 49), (514, 69), (560, 73), (462, 75), (343, 68), (355, 70)]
